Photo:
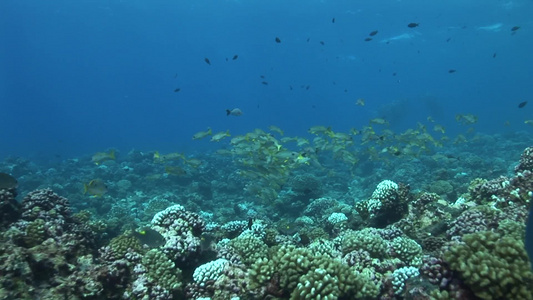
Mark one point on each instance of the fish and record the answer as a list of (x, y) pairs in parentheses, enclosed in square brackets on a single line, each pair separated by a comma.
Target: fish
[(515, 28), (333, 20), (207, 61), (177, 90), (235, 57), (322, 43), (466, 119), (439, 128), (360, 102), (404, 36), (522, 104), (528, 122), (278, 40), (413, 25), (373, 33), (194, 162), (379, 121), (529, 236), (275, 129), (95, 187), (167, 157), (368, 39), (100, 157), (250, 223), (7, 182), (494, 55), (149, 237), (494, 27), (451, 71), (202, 134), (175, 170), (234, 112), (264, 82), (219, 136)]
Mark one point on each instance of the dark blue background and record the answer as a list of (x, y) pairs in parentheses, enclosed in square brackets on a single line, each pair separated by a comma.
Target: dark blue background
[(78, 77)]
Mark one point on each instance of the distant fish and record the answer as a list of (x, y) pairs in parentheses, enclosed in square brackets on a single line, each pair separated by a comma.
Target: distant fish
[(175, 171), (494, 55), (494, 27), (333, 20), (515, 28), (373, 33), (234, 112), (262, 76), (202, 134), (177, 90), (207, 61), (96, 187), (7, 182), (322, 43), (219, 136), (277, 40), (522, 104), (149, 237), (99, 157), (368, 39), (235, 57), (413, 25), (264, 82), (451, 71), (360, 102), (251, 220)]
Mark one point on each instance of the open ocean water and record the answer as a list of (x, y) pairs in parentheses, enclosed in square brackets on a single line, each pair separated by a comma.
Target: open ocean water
[(266, 149)]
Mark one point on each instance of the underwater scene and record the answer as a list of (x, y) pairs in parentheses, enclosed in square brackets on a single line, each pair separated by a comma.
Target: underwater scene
[(289, 149)]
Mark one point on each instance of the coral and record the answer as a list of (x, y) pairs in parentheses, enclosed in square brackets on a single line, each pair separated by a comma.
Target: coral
[(526, 161), (123, 244), (210, 271), (337, 218), (387, 204), (162, 270), (367, 239), (35, 233), (400, 276), (181, 230), (10, 210), (407, 250), (317, 284), (249, 248), (492, 266)]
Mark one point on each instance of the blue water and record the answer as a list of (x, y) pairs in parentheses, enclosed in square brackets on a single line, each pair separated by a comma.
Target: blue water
[(78, 77)]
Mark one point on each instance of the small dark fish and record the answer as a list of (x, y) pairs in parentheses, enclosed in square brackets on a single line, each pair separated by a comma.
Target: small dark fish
[(515, 28), (333, 20), (227, 59), (494, 55), (264, 82), (262, 76), (322, 43), (345, 90), (373, 33), (412, 25), (448, 39), (177, 90), (307, 87), (278, 40), (394, 74), (250, 223), (522, 104), (235, 57), (290, 87), (451, 71), (207, 61), (176, 75), (368, 39), (308, 39)]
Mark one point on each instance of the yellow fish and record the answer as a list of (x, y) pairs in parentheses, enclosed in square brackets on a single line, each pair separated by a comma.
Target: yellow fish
[(219, 136), (176, 171), (103, 156), (96, 187), (170, 156), (202, 134), (275, 129)]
